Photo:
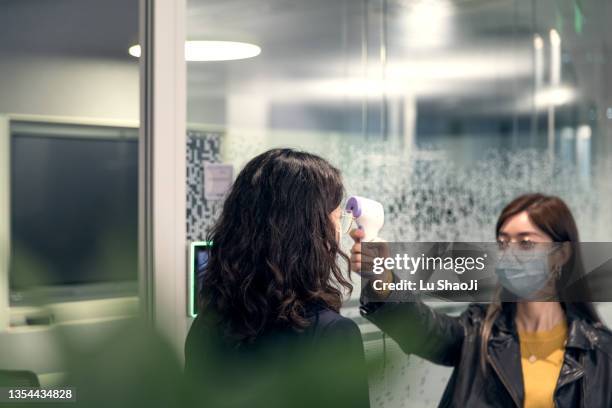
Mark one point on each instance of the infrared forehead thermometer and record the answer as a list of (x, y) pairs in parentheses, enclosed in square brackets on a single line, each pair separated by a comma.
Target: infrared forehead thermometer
[(369, 216)]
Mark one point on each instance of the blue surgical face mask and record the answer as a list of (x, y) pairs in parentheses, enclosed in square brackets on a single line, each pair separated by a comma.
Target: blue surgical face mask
[(523, 274)]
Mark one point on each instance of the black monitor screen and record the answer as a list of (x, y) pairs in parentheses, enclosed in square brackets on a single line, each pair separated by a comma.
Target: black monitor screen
[(74, 210)]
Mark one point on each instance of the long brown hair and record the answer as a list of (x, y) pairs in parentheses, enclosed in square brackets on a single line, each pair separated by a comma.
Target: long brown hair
[(274, 249), (551, 215)]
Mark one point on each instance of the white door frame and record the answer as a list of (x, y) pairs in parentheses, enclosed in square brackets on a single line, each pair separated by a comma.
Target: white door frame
[(163, 269)]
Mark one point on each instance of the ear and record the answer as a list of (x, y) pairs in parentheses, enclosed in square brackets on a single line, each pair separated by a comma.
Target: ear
[(562, 255)]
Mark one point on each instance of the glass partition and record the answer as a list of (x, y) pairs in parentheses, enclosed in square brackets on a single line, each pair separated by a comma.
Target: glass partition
[(69, 113), (442, 110)]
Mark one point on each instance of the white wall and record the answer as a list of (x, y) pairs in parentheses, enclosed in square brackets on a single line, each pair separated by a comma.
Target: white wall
[(69, 86)]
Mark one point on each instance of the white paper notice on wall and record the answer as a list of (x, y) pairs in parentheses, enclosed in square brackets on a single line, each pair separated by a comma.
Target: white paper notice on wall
[(218, 179)]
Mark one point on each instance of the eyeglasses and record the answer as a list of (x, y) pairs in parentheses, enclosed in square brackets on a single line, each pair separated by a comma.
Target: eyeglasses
[(346, 221), (526, 250)]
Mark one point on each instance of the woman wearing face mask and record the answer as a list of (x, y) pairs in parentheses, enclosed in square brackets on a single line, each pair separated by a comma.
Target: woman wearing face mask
[(517, 353), (268, 333)]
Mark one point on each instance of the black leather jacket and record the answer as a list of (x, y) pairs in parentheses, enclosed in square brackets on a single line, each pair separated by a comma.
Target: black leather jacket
[(586, 374)]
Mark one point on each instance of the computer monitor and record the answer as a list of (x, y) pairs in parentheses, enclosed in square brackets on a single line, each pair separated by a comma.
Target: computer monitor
[(73, 212), (198, 260)]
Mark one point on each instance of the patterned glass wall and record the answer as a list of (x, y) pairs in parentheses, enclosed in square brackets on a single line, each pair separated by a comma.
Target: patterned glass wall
[(428, 196)]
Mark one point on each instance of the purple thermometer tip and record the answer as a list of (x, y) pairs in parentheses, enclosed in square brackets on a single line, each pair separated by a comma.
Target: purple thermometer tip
[(352, 205)]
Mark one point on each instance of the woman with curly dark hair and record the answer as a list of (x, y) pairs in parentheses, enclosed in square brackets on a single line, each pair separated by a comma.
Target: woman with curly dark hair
[(268, 332)]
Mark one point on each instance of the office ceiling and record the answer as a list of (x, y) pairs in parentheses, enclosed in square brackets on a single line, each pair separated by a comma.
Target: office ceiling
[(282, 27), (483, 42)]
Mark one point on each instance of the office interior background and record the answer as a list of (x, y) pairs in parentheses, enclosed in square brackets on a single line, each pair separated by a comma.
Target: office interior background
[(443, 110)]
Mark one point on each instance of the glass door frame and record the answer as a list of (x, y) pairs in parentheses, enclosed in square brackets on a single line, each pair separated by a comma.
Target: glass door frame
[(162, 231)]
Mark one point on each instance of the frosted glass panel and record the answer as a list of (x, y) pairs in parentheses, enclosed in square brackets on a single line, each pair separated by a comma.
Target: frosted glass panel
[(442, 110)]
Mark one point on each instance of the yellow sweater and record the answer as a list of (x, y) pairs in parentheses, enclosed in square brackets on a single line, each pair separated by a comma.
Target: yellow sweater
[(541, 359)]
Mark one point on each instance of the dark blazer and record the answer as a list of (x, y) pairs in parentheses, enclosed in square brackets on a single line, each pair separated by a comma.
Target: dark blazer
[(584, 381), (321, 366)]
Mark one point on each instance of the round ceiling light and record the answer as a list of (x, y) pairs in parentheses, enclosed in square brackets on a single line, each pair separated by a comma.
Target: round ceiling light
[(212, 50)]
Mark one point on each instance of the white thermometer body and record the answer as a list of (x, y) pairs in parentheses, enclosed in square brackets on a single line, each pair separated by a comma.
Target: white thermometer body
[(369, 216)]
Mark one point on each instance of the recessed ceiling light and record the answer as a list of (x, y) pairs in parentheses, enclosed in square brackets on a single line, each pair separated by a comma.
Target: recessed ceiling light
[(135, 51), (212, 50), (555, 39)]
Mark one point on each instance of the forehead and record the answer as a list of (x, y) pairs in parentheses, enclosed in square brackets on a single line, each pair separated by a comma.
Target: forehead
[(520, 225)]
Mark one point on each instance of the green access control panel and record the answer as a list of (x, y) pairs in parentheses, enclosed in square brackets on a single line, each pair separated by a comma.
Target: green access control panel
[(198, 259)]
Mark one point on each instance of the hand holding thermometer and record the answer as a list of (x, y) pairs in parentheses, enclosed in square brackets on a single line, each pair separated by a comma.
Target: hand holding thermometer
[(369, 216)]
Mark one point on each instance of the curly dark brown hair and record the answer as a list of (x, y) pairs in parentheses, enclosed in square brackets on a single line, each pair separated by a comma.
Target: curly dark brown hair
[(274, 246)]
